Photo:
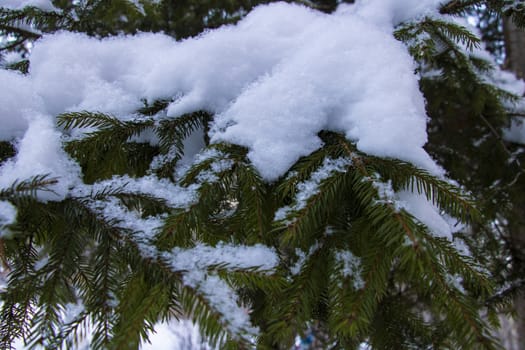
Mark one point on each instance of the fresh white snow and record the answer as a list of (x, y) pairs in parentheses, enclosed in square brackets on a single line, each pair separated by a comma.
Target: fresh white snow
[(7, 216), (310, 187), (351, 267), (39, 153), (195, 263), (427, 213), (45, 5), (272, 83)]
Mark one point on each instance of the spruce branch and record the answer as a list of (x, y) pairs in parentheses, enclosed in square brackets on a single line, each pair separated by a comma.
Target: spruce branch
[(27, 188)]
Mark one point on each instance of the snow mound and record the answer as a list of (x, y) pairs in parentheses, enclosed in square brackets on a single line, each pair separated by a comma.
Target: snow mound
[(45, 5), (272, 82)]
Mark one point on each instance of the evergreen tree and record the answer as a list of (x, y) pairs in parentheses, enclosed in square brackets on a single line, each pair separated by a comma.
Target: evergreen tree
[(484, 158), (324, 247)]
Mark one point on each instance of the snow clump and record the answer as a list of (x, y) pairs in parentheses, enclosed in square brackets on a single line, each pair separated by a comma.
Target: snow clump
[(45, 5), (272, 83)]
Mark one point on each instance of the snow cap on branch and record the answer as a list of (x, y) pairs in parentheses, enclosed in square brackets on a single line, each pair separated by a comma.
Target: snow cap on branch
[(273, 83), (393, 12), (40, 153), (45, 5)]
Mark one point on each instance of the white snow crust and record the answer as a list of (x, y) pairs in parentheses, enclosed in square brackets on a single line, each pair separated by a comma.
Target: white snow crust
[(310, 187), (40, 153), (196, 262), (234, 256), (417, 205), (174, 195), (427, 213), (45, 5), (7, 216), (271, 82), (183, 335), (516, 131), (351, 265)]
